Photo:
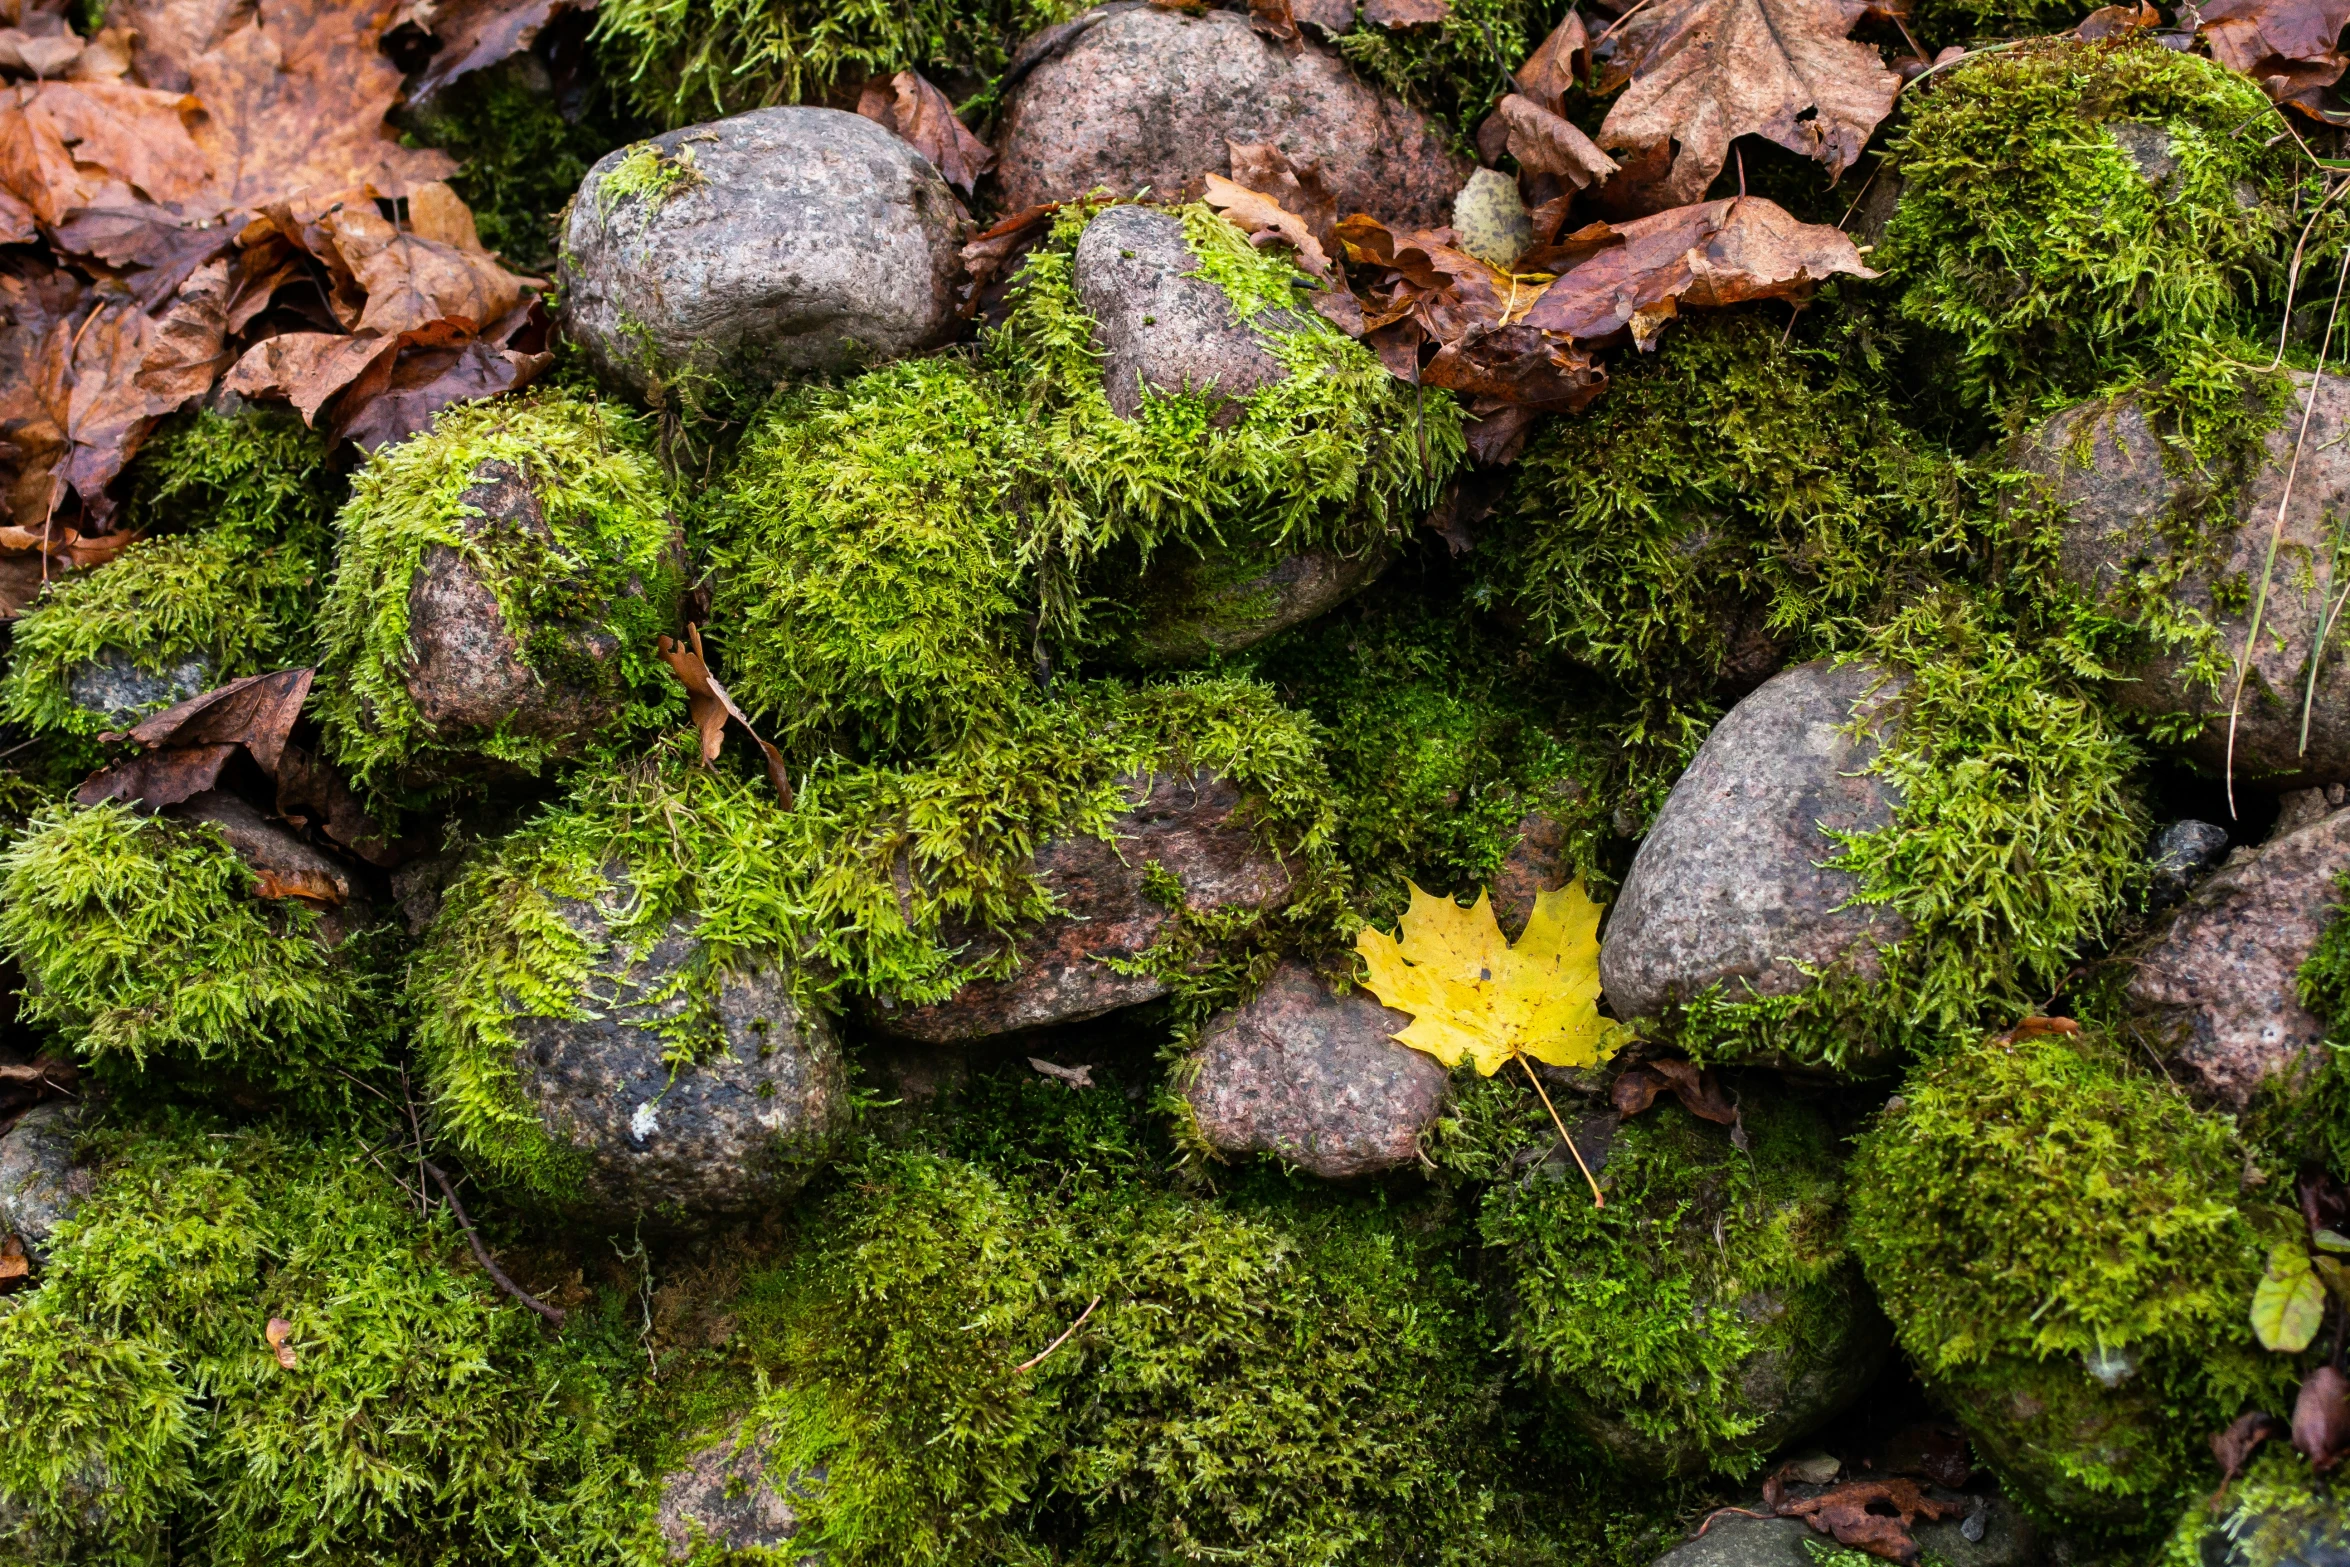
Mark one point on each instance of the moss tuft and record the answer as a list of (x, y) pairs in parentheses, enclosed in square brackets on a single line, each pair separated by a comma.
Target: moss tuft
[(255, 478), (424, 1417), (2277, 1515), (141, 943), (2031, 1210), (605, 565), (1458, 69)]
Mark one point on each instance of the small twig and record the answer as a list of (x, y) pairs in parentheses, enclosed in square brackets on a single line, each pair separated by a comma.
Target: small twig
[(1618, 22), (2293, 273), (1598, 1198), (1875, 169), (1031, 1365), (553, 1314), (1735, 1512)]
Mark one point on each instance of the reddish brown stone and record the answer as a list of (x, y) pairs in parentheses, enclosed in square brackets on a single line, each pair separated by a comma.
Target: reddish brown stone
[(2218, 987), (1537, 865), (1314, 1078), (1195, 828)]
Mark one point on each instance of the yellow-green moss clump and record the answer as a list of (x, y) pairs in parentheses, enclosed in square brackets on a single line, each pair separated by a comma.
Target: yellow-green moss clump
[(2078, 215), (854, 887), (2067, 1253), (422, 1416), (583, 589), (142, 944), (1710, 1312), (2276, 1515)]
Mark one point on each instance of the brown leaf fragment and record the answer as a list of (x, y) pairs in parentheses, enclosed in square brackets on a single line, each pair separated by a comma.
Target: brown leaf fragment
[(1635, 1090), (2109, 21), (1254, 214), (1396, 14), (2321, 1419), (306, 368), (1704, 72), (990, 254), (310, 791), (1700, 1092), (257, 712), (2290, 47), (1496, 436), (1713, 254), (475, 34), (278, 1331), (412, 281), (16, 1269), (1299, 187), (168, 34), (1276, 21), (1556, 64), (710, 707), (158, 778), (1850, 1513), (1543, 143), (154, 242), (2234, 1446), (433, 367), (921, 116)]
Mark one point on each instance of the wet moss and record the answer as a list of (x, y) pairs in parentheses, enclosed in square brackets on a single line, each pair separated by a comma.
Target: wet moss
[(143, 946), (606, 566), (2278, 1514), (421, 1417), (2037, 1212), (1459, 68)]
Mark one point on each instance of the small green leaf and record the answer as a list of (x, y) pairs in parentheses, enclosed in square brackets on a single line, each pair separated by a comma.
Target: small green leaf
[(2290, 1303), (2329, 1240)]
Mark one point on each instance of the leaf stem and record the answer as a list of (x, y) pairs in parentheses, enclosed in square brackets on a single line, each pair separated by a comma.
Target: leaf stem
[(1598, 1198)]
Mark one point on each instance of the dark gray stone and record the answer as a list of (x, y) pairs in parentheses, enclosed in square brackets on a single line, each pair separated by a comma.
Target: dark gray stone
[(2103, 463), (118, 690), (2183, 853), (1159, 324), (1153, 98), (40, 1185), (802, 239), (2217, 987), (1198, 829), (1314, 1078), (743, 1127), (1730, 886), (724, 1494)]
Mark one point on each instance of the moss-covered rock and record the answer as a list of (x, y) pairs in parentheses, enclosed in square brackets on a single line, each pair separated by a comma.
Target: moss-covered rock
[(498, 590), (414, 1414), (144, 944), (2067, 1254), (2277, 1514), (1710, 1311)]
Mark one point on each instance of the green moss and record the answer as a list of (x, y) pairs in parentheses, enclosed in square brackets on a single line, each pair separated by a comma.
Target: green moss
[(2277, 1515), (425, 1416), (606, 565), (2029, 1210), (142, 945), (649, 174), (1459, 68), (1710, 1270), (677, 62), (2028, 237), (253, 479), (1337, 455), (879, 881), (868, 584)]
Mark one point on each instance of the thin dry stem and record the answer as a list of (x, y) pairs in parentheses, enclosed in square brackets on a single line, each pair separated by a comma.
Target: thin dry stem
[(1038, 1360), (1598, 1198), (481, 1253)]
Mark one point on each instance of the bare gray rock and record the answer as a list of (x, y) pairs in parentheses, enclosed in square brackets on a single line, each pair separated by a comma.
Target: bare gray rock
[(40, 1185), (1314, 1078), (743, 1127), (724, 1494), (1730, 887), (1196, 829), (767, 244), (1190, 606), (1143, 97), (466, 672), (2103, 463), (1159, 324), (118, 690), (2217, 987)]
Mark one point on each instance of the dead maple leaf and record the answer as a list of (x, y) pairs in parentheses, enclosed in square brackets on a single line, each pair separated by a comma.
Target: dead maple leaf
[(1556, 64), (1868, 1515), (1702, 73), (411, 280), (2290, 47), (1262, 218), (257, 712), (1301, 188), (476, 34), (920, 115), (1544, 143), (710, 706), (1474, 997), (278, 1331), (1716, 253), (1699, 1091), (65, 145)]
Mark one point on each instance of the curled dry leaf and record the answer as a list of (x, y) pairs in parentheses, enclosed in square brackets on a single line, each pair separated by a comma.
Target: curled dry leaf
[(1704, 72), (2321, 1418), (2234, 1446), (277, 1333), (988, 258), (1543, 143), (16, 1268), (1299, 187), (476, 34), (1699, 1091), (1868, 1515), (2290, 47), (921, 115), (1258, 215), (711, 708), (1556, 64), (1276, 21), (257, 712)]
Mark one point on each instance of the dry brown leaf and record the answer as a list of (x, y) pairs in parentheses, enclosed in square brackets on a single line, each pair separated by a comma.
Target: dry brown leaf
[(411, 281), (710, 707), (2108, 21), (158, 778), (168, 35), (1712, 254), (257, 712), (15, 1267), (479, 33), (1868, 1515), (1276, 21), (1700, 1092), (434, 366), (990, 254), (156, 244), (2290, 47), (1406, 13), (1705, 72), (1543, 143), (65, 145), (1299, 187), (436, 213), (305, 368), (278, 1331), (920, 115), (1556, 64), (311, 792), (1254, 214)]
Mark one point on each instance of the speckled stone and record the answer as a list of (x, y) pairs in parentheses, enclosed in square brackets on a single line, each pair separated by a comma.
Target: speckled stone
[(1196, 828), (723, 1494), (2217, 986), (1730, 886), (2118, 497), (741, 1128), (1151, 97), (1156, 322), (118, 690), (40, 1185), (813, 240), (1314, 1078)]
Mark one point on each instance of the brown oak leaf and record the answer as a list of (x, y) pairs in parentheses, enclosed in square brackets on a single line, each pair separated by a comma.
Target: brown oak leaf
[(1705, 72)]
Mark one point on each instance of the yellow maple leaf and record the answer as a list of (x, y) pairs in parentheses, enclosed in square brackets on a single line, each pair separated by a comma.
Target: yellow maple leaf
[(1474, 997)]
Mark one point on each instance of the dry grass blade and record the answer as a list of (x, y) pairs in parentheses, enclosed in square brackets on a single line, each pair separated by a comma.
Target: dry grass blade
[(1598, 1198)]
